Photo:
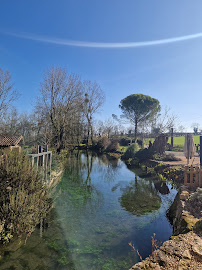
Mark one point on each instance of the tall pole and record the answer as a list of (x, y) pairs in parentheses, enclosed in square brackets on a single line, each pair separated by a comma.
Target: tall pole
[(188, 150), (200, 150), (172, 137)]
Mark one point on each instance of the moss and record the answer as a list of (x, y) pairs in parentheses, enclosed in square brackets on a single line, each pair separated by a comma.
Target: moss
[(190, 221), (198, 227)]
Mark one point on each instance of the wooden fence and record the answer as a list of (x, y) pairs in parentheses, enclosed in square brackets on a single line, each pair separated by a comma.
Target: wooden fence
[(43, 160), (193, 176)]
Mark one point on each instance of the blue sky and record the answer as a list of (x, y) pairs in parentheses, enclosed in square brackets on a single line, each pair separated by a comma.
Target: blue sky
[(172, 72)]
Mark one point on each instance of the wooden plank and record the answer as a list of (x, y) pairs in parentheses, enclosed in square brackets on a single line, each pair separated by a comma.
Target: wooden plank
[(50, 163), (185, 174), (32, 161), (200, 177), (191, 175), (40, 154), (201, 150), (172, 137), (37, 164), (197, 176)]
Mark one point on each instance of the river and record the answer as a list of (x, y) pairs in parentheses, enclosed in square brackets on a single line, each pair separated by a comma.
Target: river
[(99, 207)]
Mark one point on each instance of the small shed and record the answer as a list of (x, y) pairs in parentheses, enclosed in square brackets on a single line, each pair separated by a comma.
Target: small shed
[(11, 142)]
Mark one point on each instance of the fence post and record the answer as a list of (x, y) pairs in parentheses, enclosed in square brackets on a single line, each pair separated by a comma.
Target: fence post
[(191, 175), (185, 175), (172, 137), (197, 177), (200, 150), (200, 176), (32, 161)]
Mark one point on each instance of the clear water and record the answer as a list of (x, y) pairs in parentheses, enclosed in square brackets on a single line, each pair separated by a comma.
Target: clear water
[(99, 207)]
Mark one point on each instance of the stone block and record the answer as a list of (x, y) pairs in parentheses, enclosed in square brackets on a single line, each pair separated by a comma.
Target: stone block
[(184, 195)]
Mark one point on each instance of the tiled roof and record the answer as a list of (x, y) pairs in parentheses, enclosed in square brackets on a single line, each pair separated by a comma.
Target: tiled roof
[(10, 141)]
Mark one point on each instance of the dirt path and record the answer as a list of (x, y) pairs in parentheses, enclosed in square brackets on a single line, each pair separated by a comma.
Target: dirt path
[(183, 161)]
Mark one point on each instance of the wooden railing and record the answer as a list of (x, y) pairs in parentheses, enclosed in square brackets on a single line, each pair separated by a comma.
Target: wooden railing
[(193, 176), (43, 160)]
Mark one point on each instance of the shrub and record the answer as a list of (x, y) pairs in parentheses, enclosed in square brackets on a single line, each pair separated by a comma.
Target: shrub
[(125, 141), (103, 143), (113, 146), (24, 199), (130, 152), (144, 154), (140, 143)]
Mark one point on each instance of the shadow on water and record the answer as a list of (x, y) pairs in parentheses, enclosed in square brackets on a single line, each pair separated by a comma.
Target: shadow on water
[(99, 207)]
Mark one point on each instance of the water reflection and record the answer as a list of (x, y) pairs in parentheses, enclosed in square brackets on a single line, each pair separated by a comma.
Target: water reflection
[(140, 197)]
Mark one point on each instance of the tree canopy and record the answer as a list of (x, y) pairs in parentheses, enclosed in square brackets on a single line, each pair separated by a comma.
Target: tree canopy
[(139, 108)]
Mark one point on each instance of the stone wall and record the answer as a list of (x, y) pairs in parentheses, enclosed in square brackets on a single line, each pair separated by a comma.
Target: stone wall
[(184, 249)]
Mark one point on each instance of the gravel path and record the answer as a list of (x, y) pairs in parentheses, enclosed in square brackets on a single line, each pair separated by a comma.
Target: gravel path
[(183, 161)]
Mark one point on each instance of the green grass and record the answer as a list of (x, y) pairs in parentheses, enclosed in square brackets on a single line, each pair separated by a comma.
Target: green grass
[(176, 140)]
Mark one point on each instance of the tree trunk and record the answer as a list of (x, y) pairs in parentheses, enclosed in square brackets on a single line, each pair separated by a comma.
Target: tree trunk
[(88, 135), (135, 130), (60, 141), (91, 128)]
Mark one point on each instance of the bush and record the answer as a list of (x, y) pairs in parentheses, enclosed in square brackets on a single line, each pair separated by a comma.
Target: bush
[(130, 152), (125, 141), (113, 146), (103, 143), (140, 143), (23, 197), (144, 154)]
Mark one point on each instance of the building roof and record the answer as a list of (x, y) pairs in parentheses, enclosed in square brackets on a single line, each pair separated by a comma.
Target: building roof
[(10, 141)]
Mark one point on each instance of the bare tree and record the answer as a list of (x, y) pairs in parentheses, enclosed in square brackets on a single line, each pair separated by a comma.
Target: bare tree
[(163, 122), (93, 100), (181, 128), (10, 123), (195, 127), (7, 94), (60, 100)]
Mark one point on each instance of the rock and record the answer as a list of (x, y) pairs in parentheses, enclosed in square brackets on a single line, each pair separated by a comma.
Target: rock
[(161, 258), (140, 264), (186, 254), (184, 250), (154, 266), (183, 264), (198, 227), (184, 195), (135, 267), (189, 220), (197, 250)]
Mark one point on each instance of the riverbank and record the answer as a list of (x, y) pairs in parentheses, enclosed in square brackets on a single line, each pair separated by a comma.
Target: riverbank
[(184, 249)]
